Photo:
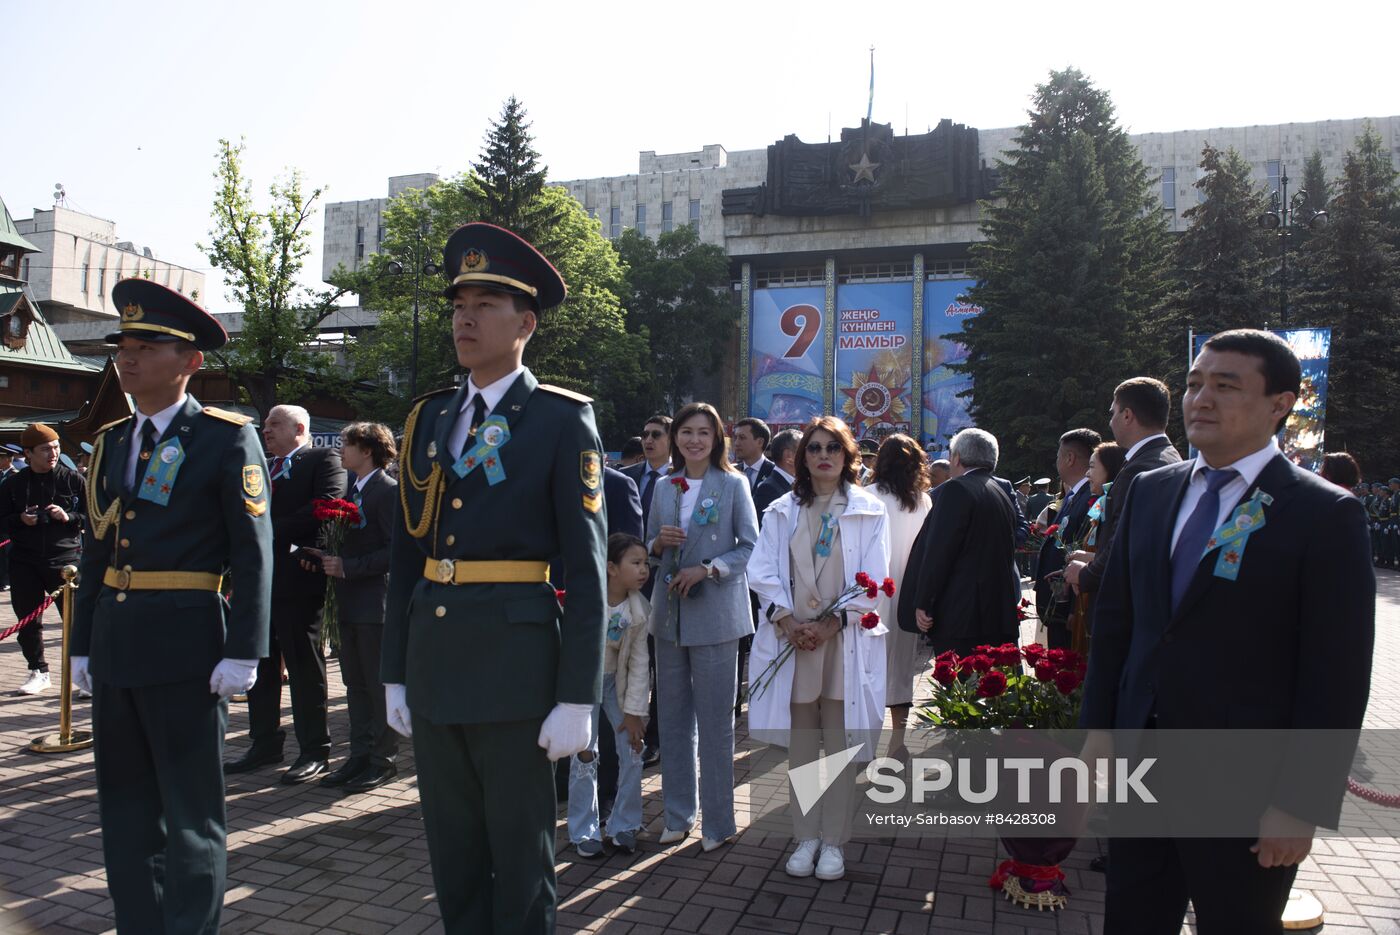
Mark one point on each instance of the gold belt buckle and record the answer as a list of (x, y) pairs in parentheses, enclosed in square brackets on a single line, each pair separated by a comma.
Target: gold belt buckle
[(124, 579), (446, 570)]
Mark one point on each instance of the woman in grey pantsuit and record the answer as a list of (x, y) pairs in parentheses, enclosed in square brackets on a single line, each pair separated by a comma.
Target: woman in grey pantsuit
[(700, 533)]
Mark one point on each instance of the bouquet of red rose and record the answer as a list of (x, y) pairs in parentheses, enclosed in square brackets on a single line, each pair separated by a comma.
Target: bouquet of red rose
[(336, 517), (864, 584), (1006, 686)]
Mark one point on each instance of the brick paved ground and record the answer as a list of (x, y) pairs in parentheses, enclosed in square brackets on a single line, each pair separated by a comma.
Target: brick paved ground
[(304, 860)]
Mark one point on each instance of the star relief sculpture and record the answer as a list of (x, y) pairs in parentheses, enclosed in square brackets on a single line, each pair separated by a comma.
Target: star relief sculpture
[(865, 169)]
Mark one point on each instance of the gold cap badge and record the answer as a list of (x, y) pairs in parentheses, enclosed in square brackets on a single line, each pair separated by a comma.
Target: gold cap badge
[(474, 261), (133, 312)]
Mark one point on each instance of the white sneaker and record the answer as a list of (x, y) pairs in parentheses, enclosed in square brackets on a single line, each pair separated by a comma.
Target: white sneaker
[(803, 860), (37, 682), (832, 865)]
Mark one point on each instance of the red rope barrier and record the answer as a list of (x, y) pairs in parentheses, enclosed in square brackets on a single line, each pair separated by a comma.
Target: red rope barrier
[(1374, 796), (27, 620)]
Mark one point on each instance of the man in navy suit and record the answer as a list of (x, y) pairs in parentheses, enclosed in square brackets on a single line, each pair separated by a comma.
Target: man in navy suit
[(1072, 463), (1177, 615)]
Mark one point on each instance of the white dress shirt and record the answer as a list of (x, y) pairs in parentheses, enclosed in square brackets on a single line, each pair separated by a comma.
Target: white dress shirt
[(1138, 445), (785, 475), (1248, 467), (751, 470), (161, 420), (492, 393), (361, 481)]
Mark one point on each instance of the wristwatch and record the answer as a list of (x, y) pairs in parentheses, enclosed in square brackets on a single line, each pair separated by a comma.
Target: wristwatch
[(710, 570)]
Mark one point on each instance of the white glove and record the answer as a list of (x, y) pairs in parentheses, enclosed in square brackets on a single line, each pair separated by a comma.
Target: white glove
[(566, 730), (233, 677), (396, 708), (79, 674)]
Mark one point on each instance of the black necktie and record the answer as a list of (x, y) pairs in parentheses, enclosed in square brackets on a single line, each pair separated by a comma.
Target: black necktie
[(478, 414), (647, 491), (148, 445)]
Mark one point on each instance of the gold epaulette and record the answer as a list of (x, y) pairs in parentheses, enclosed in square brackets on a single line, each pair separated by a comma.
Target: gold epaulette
[(112, 424), (237, 418), (567, 394), (431, 393)]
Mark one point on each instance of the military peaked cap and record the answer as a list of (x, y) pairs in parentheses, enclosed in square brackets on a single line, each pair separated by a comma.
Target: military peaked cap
[(494, 258), (152, 312)]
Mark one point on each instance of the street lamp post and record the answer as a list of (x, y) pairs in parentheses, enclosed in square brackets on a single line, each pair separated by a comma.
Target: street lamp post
[(1283, 215), (421, 268)]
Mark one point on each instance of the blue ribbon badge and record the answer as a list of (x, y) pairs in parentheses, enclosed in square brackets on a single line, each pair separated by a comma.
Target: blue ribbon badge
[(160, 474), (358, 499), (827, 535), (1232, 537), (706, 510), (486, 453)]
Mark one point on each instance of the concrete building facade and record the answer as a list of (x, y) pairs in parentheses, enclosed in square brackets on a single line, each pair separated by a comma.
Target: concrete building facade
[(354, 230)]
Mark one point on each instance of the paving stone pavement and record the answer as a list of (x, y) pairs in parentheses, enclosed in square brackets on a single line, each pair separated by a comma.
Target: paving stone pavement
[(307, 860)]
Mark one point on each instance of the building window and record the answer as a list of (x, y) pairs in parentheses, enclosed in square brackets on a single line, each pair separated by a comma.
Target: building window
[(102, 283), (1168, 188), (642, 220), (4, 383), (614, 222), (83, 282), (667, 223), (1274, 168), (379, 238), (695, 213), (359, 243)]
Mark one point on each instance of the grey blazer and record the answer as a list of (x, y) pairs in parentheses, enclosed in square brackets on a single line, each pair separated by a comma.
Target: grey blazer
[(716, 611)]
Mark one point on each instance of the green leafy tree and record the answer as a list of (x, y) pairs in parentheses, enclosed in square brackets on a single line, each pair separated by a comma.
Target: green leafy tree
[(1222, 264), (261, 253), (677, 296), (1351, 283), (1069, 274)]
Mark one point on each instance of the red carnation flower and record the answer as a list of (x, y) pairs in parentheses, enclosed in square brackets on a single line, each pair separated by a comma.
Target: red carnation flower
[(1034, 652), (559, 596), (947, 656), (870, 620), (1067, 681), (1026, 602), (991, 684), (679, 481), (864, 580), (872, 592), (1051, 530), (1045, 672), (944, 673), (888, 587)]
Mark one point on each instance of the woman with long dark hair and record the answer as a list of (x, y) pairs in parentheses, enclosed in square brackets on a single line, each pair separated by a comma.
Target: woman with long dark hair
[(830, 691), (901, 484), (700, 533)]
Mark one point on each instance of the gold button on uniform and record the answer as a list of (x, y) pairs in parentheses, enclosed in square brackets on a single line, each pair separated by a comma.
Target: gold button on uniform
[(126, 543), (121, 596), (441, 611), (451, 539), (456, 503), (130, 514)]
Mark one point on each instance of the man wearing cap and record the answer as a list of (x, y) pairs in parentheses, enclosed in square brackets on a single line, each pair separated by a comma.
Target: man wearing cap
[(482, 667), (41, 513), (869, 451), (177, 494), (1038, 500)]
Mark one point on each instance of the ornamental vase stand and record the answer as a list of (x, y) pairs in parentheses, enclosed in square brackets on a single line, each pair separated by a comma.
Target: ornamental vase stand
[(1032, 877)]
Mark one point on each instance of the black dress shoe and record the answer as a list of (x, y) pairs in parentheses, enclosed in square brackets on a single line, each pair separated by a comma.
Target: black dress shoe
[(306, 768), (346, 771), (372, 778), (650, 757), (252, 760)]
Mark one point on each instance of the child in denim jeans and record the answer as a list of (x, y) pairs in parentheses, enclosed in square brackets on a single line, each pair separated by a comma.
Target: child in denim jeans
[(625, 696)]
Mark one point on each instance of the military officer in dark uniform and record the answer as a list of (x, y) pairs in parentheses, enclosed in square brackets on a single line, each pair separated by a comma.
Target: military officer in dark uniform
[(482, 667), (176, 499)]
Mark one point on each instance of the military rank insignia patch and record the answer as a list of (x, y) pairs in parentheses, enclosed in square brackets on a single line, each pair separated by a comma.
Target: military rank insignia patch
[(590, 471), (252, 480)]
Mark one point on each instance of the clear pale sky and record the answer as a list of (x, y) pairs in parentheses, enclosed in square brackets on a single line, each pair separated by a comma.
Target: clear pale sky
[(124, 103)]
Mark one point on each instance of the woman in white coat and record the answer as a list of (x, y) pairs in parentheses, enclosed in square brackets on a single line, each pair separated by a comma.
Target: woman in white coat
[(901, 484), (831, 691)]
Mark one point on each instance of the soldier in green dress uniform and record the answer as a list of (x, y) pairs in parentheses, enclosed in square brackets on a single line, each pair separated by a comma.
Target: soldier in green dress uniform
[(482, 667), (177, 499), (1392, 529), (1370, 501)]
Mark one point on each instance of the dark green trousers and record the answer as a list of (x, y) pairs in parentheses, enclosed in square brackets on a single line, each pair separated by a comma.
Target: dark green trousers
[(489, 812), (160, 791)]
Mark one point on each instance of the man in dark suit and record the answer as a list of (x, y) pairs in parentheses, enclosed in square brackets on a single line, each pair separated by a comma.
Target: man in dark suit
[(623, 503), (176, 508), (1138, 418), (782, 452), (957, 579), (1072, 463), (751, 437), (361, 572), (1180, 608), (491, 677), (300, 475)]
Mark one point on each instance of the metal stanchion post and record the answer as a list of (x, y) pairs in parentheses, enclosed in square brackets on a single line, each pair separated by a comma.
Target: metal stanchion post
[(66, 739)]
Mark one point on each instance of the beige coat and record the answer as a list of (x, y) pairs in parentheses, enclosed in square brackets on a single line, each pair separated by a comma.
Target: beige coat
[(628, 660)]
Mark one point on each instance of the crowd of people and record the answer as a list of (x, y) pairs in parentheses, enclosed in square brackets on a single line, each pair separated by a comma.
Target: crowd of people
[(542, 626)]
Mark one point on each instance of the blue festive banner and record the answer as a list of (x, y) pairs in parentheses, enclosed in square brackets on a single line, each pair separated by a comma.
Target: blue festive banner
[(785, 355), (945, 406), (874, 358)]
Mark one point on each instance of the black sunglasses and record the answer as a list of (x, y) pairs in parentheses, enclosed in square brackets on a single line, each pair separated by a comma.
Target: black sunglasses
[(653, 434), (815, 448)]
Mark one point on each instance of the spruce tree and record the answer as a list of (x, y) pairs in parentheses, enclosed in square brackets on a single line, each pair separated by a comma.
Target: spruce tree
[(1351, 283), (1314, 183), (1222, 261), (1069, 274), (511, 177)]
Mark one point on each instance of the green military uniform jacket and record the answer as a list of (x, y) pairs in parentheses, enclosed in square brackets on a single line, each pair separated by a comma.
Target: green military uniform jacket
[(486, 653), (216, 521)]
